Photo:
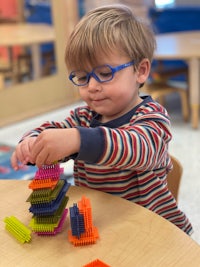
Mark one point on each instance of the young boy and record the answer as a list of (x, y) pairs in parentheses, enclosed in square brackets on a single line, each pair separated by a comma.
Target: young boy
[(119, 140)]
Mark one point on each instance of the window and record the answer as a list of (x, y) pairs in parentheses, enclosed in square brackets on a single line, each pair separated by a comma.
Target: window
[(164, 3)]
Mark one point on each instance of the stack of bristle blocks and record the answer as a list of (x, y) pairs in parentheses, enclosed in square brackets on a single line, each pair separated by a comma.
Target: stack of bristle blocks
[(48, 200), (82, 232)]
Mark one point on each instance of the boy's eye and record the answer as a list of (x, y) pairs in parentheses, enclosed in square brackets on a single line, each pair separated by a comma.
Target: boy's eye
[(105, 74), (82, 79)]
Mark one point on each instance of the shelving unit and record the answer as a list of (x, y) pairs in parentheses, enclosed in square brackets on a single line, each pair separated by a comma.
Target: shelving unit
[(29, 99)]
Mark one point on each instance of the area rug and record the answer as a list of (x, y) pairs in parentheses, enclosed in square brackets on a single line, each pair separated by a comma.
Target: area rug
[(7, 172)]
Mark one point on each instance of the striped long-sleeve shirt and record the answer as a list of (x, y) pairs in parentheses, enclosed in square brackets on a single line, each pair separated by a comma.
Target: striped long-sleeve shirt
[(127, 157)]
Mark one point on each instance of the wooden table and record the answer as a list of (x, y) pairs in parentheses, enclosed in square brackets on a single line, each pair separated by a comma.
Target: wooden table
[(184, 46), (27, 34), (130, 235)]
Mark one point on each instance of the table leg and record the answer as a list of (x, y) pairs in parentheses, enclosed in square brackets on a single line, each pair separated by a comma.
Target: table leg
[(1, 81), (194, 84), (35, 50)]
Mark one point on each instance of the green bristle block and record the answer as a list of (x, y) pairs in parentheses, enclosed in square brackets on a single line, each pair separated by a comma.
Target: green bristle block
[(42, 227), (17, 229), (53, 218), (45, 195)]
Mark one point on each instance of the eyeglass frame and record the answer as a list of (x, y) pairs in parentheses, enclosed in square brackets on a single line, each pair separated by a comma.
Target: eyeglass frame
[(92, 73)]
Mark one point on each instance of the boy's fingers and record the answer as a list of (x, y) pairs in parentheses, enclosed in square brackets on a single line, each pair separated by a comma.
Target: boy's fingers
[(14, 161)]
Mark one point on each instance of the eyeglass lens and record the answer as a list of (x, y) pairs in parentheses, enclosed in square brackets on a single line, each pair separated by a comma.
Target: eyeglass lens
[(102, 73)]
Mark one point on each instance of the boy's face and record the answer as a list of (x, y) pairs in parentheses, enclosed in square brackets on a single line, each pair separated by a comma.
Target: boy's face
[(116, 97)]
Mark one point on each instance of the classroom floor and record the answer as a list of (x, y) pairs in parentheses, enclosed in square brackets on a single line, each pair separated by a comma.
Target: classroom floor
[(185, 146)]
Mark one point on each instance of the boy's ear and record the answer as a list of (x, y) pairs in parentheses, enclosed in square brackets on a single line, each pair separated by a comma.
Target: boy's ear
[(143, 71)]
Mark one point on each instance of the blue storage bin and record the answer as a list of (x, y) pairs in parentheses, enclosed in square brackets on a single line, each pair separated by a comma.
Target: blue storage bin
[(39, 12), (175, 19)]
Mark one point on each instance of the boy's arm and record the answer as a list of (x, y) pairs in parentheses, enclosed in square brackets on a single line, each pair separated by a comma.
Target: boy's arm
[(73, 120), (142, 145)]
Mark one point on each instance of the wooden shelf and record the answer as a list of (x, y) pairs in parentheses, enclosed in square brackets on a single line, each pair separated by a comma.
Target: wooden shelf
[(32, 98)]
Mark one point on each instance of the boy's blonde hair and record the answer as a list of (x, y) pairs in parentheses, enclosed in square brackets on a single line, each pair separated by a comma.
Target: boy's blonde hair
[(107, 29)]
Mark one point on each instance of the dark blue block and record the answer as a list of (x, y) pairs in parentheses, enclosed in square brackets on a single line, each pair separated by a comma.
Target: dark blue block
[(77, 221)]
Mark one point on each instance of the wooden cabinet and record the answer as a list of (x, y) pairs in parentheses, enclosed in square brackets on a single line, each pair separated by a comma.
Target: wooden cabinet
[(28, 99)]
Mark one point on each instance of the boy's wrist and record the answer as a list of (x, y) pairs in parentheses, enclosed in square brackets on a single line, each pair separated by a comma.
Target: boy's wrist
[(74, 140)]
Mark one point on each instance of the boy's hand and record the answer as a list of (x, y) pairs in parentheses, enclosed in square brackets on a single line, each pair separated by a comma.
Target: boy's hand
[(22, 153), (54, 144)]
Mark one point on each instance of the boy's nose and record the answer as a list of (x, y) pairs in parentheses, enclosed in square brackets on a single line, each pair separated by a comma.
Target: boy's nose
[(93, 84)]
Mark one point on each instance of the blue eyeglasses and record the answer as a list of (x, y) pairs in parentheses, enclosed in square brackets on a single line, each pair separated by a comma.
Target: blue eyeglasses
[(104, 73)]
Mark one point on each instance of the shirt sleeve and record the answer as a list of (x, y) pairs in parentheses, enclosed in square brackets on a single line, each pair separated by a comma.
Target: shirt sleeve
[(140, 145), (92, 144), (76, 118)]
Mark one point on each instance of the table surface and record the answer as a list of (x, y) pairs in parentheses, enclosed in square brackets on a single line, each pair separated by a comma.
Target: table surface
[(178, 45), (130, 235), (25, 33)]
